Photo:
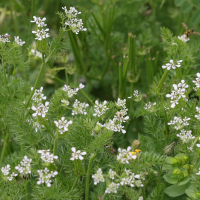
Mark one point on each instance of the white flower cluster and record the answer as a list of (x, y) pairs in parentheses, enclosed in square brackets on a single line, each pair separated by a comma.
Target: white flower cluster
[(41, 109), (197, 82), (179, 123), (148, 105), (4, 38), (36, 53), (140, 198), (79, 108), (38, 96), (121, 103), (77, 155), (5, 170), (125, 155), (98, 177), (72, 91), (44, 176), (63, 125), (40, 33), (135, 94), (198, 145), (74, 24), (115, 124), (46, 156), (177, 93), (25, 167), (172, 65), (183, 38), (18, 41), (65, 102), (100, 109), (38, 21), (186, 136), (111, 174), (112, 188), (129, 179), (35, 124)]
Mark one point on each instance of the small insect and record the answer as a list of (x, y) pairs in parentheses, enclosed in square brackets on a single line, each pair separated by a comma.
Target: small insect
[(119, 114), (5, 36), (190, 31)]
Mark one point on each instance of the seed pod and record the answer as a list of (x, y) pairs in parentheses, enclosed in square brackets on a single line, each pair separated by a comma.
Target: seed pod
[(169, 150), (135, 145)]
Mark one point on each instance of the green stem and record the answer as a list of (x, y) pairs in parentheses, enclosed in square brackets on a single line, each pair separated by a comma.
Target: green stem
[(55, 146), (4, 147), (160, 85), (104, 196), (4, 72), (36, 82), (159, 182), (88, 177), (143, 193), (73, 186), (86, 96), (26, 189)]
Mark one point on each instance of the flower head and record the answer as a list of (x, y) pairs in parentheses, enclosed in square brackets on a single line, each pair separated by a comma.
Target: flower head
[(77, 154)]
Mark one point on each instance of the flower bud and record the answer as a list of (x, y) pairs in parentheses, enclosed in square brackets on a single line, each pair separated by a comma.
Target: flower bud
[(135, 145)]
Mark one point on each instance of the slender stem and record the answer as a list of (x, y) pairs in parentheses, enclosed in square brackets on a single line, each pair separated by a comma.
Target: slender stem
[(4, 147), (104, 196), (26, 189), (4, 72), (88, 177), (36, 82), (73, 186), (143, 193), (49, 130), (159, 182), (55, 146), (86, 96), (160, 85)]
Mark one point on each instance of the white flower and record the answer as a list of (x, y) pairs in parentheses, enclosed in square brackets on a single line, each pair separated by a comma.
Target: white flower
[(81, 86), (125, 155), (18, 41), (38, 96), (38, 21), (5, 170), (197, 82), (70, 92), (121, 103), (98, 177), (178, 93), (111, 174), (112, 188), (148, 105), (198, 172), (77, 154), (41, 110), (63, 125), (183, 38), (186, 136), (46, 156), (44, 176), (100, 109), (140, 198), (172, 65), (71, 13), (65, 102), (79, 108), (41, 34)]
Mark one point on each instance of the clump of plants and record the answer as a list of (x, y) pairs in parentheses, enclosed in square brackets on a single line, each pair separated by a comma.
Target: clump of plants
[(67, 145)]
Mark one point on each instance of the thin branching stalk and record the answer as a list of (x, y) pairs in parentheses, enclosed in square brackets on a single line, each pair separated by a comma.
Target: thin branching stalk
[(86, 96), (87, 180), (75, 182), (37, 80), (159, 182), (160, 85), (55, 146), (4, 146), (4, 73)]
